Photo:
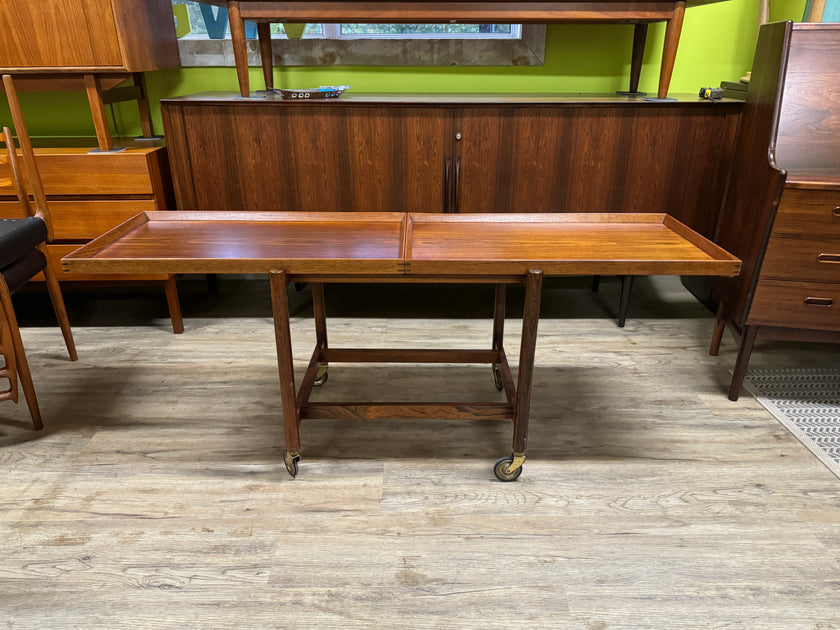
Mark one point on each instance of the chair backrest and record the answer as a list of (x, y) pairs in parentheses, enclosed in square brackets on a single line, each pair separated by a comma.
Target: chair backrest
[(17, 175), (33, 175)]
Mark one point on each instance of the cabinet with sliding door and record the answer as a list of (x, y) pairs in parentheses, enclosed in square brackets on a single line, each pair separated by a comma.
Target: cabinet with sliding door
[(452, 153)]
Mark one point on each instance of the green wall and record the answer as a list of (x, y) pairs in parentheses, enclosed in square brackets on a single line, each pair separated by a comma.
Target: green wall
[(717, 44)]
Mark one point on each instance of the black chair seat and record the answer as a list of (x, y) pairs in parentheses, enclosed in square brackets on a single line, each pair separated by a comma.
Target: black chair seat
[(21, 271), (18, 237)]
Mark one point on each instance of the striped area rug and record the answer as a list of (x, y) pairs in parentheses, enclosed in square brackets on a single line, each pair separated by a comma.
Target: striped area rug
[(807, 403)]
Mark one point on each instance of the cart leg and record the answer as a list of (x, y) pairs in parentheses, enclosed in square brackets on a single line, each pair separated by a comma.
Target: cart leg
[(283, 337), (320, 328), (510, 468), (499, 330)]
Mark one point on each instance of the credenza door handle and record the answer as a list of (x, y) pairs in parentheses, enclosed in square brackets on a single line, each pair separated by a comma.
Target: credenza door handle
[(447, 190), (828, 258), (816, 301), (456, 186)]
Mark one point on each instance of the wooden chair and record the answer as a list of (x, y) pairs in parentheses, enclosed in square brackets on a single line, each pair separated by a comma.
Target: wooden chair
[(22, 256)]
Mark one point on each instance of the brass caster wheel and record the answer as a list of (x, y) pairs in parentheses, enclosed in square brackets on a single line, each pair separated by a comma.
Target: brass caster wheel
[(321, 377), (497, 378), (503, 471), (291, 460)]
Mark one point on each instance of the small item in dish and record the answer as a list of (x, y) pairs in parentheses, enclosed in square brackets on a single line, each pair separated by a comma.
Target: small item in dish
[(319, 93)]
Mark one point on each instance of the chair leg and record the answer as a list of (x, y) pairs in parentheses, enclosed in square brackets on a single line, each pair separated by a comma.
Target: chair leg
[(60, 311), (20, 356), (7, 350)]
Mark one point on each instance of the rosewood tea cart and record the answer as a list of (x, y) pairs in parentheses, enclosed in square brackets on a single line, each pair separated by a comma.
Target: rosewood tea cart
[(408, 248)]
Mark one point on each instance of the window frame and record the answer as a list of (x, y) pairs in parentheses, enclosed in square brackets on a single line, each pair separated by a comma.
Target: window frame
[(527, 50)]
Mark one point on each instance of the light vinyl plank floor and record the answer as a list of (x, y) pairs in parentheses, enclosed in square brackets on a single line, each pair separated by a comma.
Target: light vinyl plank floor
[(156, 496)]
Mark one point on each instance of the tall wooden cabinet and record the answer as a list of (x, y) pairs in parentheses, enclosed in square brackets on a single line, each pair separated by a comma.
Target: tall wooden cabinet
[(87, 35), (452, 153), (782, 209), (89, 45)]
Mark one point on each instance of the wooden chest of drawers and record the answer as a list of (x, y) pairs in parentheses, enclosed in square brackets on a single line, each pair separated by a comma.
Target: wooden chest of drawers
[(781, 214), (90, 193), (799, 282)]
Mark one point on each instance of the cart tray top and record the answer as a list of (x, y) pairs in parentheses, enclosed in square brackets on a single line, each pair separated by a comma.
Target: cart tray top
[(348, 244)]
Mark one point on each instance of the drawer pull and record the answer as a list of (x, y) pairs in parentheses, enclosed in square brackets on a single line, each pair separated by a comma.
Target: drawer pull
[(815, 301), (828, 258), (836, 211)]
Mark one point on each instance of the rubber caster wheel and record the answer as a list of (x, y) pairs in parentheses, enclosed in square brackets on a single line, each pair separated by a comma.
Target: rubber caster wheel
[(500, 470), (291, 462), (321, 378), (497, 378)]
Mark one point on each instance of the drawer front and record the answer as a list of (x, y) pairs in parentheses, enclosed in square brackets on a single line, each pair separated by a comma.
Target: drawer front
[(77, 173), (807, 305), (10, 210), (79, 220), (56, 252), (802, 258), (804, 212)]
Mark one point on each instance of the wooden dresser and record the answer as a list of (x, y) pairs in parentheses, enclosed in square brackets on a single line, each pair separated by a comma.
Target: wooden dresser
[(781, 214), (90, 193)]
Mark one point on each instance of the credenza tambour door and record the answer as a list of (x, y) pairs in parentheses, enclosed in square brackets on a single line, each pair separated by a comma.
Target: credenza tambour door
[(452, 154)]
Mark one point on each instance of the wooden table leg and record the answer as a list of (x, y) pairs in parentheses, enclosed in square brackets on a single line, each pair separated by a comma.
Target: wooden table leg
[(283, 338), (499, 315), (266, 55), (673, 29), (240, 49), (320, 328), (143, 107), (97, 109), (508, 469), (174, 303), (499, 330), (639, 39)]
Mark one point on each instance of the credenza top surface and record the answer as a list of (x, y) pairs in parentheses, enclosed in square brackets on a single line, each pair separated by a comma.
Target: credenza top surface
[(453, 99)]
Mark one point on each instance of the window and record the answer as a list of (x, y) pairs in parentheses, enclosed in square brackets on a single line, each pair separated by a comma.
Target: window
[(208, 42)]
